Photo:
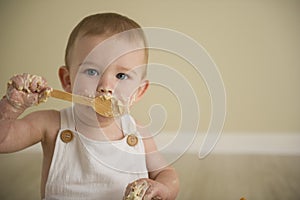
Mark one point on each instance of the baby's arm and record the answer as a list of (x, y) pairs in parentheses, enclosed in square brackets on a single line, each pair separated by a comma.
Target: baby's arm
[(166, 182), (163, 183), (23, 91)]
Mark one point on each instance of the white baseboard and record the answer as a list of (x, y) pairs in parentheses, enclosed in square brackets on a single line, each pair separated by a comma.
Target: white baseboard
[(236, 143), (248, 143), (259, 143)]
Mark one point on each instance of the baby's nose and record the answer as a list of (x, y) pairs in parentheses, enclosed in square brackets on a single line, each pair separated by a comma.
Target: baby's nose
[(105, 91)]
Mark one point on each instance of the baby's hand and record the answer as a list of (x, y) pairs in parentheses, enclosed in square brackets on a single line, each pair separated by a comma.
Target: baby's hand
[(146, 189), (25, 90)]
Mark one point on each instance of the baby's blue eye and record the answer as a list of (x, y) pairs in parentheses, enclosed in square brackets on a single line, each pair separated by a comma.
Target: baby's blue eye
[(92, 72), (122, 76)]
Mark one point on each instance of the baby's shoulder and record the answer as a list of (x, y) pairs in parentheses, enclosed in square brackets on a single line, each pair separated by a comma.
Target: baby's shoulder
[(45, 119), (51, 115), (149, 143), (48, 121)]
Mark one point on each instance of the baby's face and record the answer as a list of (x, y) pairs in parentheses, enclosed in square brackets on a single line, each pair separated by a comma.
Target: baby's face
[(115, 67)]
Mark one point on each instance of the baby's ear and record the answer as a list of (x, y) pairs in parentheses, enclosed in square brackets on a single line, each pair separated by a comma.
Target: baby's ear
[(141, 90), (64, 76)]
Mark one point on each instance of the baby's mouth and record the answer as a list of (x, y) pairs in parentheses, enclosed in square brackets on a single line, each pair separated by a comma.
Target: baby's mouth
[(108, 105)]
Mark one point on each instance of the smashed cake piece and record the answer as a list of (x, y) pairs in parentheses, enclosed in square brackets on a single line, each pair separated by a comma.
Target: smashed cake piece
[(137, 191)]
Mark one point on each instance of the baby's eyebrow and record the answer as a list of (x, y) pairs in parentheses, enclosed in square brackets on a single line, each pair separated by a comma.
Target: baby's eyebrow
[(93, 65), (126, 68), (88, 63)]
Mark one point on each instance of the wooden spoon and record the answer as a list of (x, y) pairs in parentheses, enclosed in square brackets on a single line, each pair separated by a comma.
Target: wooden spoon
[(106, 106)]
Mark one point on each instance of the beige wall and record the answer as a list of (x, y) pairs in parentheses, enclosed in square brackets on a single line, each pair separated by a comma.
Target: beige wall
[(255, 44)]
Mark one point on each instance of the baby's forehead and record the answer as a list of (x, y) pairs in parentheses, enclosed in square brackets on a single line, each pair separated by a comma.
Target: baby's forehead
[(107, 50), (103, 51)]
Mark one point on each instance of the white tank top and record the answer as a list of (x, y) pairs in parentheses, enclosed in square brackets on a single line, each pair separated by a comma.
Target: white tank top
[(82, 168)]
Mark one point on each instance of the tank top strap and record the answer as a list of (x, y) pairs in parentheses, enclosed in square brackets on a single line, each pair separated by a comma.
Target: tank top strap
[(128, 125), (67, 119)]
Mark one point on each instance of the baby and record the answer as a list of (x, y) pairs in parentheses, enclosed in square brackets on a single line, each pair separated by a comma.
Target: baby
[(87, 155)]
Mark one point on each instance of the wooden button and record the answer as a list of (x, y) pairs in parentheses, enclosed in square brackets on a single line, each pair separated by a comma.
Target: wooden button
[(66, 136), (132, 140)]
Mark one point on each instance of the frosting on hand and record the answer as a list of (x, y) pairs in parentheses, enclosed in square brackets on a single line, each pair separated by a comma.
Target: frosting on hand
[(25, 90)]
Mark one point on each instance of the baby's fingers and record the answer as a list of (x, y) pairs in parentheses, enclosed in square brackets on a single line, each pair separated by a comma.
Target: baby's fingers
[(156, 191), (37, 83), (17, 82), (28, 83), (152, 193), (20, 99), (44, 95), (25, 90)]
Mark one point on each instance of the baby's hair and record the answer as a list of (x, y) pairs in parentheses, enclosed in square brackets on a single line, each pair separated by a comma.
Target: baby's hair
[(104, 24)]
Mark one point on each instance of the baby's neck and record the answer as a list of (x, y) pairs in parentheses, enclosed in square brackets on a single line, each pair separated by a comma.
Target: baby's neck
[(106, 129)]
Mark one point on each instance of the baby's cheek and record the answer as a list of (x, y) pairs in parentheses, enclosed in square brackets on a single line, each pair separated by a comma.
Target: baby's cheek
[(127, 89), (122, 94), (84, 88)]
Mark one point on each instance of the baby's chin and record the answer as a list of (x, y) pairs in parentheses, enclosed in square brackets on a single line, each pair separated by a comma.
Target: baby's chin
[(84, 110), (87, 115)]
